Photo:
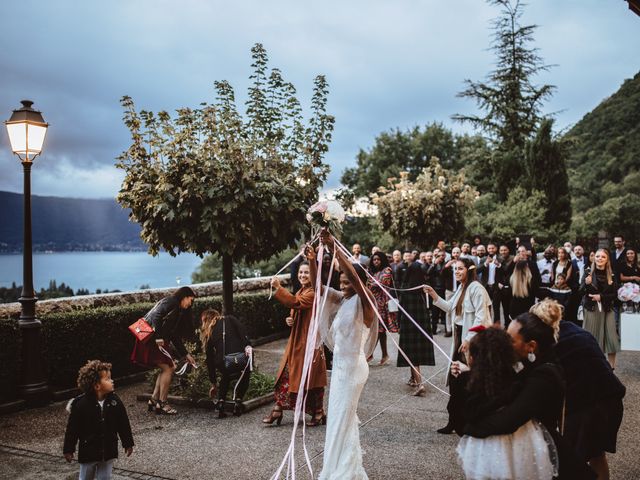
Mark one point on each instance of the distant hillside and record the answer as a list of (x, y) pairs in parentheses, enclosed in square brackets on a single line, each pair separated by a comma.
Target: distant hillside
[(605, 159), (63, 224)]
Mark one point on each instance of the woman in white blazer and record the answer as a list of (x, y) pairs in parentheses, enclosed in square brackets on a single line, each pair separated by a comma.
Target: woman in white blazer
[(469, 307)]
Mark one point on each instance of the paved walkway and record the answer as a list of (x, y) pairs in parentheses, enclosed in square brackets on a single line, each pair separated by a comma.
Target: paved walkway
[(398, 444)]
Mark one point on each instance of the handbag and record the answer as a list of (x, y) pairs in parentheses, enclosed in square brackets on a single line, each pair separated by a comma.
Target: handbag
[(233, 362), (392, 304), (141, 330)]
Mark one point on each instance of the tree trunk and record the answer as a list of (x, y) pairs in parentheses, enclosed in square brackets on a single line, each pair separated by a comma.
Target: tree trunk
[(227, 284)]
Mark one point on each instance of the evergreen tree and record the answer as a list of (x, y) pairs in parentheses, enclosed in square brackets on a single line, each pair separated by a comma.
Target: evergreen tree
[(510, 101), (546, 171)]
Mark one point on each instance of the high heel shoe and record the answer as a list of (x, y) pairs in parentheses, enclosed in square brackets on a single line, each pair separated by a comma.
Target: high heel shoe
[(151, 404), (384, 361), (163, 408), (274, 416), (318, 419)]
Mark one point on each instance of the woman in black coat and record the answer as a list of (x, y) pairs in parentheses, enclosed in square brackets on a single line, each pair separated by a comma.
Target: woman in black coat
[(220, 336), (171, 321), (540, 392), (594, 394)]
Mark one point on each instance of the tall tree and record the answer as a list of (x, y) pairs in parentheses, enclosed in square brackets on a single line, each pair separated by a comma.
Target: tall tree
[(546, 171), (427, 210), (212, 181), (509, 99), (408, 151)]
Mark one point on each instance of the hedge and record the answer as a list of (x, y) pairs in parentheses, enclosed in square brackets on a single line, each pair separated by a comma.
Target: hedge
[(71, 338)]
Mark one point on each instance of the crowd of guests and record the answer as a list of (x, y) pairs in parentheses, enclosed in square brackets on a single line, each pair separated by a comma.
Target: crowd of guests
[(553, 314), (535, 337)]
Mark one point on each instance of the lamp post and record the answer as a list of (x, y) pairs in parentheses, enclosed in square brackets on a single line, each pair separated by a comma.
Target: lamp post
[(27, 130)]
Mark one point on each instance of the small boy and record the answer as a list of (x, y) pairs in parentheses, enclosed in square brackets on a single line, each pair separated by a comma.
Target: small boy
[(97, 418)]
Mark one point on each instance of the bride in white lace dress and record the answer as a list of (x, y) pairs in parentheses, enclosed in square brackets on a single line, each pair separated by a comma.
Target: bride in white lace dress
[(345, 326)]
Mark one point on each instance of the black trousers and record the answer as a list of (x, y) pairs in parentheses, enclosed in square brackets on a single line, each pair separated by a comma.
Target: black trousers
[(457, 388), (242, 384), (501, 300)]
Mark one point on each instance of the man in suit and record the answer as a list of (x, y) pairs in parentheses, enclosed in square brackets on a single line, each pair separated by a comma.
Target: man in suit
[(436, 281), (618, 255), (450, 283), (357, 254), (618, 259), (578, 264), (490, 275)]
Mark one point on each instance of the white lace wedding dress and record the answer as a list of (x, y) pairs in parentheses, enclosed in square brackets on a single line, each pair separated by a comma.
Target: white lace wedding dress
[(350, 341)]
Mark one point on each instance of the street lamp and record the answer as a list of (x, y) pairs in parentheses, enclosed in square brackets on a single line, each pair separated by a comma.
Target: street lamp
[(27, 130)]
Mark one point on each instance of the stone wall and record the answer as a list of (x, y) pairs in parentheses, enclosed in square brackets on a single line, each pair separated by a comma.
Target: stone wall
[(43, 307)]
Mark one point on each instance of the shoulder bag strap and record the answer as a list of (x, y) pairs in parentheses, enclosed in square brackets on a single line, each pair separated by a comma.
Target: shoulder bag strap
[(224, 336)]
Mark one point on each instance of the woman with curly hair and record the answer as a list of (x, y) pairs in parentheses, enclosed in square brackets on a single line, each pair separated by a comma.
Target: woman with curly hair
[(380, 269), (529, 452)]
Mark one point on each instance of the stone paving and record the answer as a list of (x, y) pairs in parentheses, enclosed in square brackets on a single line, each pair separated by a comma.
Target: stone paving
[(399, 443)]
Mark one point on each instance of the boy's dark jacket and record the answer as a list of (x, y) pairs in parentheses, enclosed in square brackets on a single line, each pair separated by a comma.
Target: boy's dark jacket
[(95, 429)]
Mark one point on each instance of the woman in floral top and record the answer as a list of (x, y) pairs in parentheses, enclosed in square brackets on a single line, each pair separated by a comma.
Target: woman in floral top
[(380, 269)]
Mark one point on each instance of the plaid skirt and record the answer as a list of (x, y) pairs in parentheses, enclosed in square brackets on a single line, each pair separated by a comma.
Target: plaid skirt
[(415, 345)]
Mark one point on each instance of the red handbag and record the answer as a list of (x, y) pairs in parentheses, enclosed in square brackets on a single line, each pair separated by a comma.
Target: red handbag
[(141, 330)]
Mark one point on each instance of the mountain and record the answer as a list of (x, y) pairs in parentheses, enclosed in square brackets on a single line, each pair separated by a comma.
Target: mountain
[(67, 224), (604, 159)]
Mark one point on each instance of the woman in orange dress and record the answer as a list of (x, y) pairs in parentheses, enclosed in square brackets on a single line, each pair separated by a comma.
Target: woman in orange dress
[(290, 372)]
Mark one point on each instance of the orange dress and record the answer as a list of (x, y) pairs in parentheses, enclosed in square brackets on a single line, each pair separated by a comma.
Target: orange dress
[(291, 365)]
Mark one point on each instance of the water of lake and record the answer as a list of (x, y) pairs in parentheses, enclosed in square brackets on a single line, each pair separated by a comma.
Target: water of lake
[(104, 270)]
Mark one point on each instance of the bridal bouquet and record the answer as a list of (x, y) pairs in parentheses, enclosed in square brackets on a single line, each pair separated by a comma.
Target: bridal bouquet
[(326, 214), (629, 292)]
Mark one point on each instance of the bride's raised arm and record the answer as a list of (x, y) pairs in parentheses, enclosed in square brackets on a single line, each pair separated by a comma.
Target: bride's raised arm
[(347, 268)]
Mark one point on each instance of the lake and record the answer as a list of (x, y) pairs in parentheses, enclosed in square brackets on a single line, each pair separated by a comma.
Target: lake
[(103, 270)]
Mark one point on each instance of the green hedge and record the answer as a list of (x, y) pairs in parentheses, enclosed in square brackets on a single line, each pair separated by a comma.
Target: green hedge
[(71, 338), (9, 359)]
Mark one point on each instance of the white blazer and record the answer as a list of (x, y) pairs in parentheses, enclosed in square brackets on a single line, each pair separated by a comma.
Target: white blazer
[(476, 310)]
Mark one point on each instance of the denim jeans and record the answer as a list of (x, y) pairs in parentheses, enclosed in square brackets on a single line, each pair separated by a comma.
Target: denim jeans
[(96, 470)]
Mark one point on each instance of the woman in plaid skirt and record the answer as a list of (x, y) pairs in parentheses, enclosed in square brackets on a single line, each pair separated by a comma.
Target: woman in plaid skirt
[(413, 343)]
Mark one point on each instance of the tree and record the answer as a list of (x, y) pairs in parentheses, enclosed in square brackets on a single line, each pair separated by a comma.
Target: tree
[(546, 171), (427, 210), (210, 270), (510, 101), (409, 151), (213, 181)]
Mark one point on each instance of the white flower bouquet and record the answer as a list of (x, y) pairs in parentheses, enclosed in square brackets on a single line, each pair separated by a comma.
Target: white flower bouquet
[(326, 214), (629, 292)]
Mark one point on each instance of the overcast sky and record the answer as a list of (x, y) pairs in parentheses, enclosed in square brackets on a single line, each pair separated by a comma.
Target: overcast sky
[(389, 64)]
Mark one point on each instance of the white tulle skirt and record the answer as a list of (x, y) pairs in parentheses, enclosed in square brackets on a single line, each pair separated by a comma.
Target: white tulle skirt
[(527, 454)]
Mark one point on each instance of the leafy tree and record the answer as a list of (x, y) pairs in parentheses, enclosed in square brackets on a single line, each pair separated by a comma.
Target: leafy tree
[(547, 172), (522, 212), (213, 181), (210, 270), (431, 208), (509, 100), (409, 151)]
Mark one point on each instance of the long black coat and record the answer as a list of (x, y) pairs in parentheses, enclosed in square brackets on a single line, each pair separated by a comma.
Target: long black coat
[(97, 429)]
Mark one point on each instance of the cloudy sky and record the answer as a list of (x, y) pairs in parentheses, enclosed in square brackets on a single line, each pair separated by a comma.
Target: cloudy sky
[(389, 64)]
